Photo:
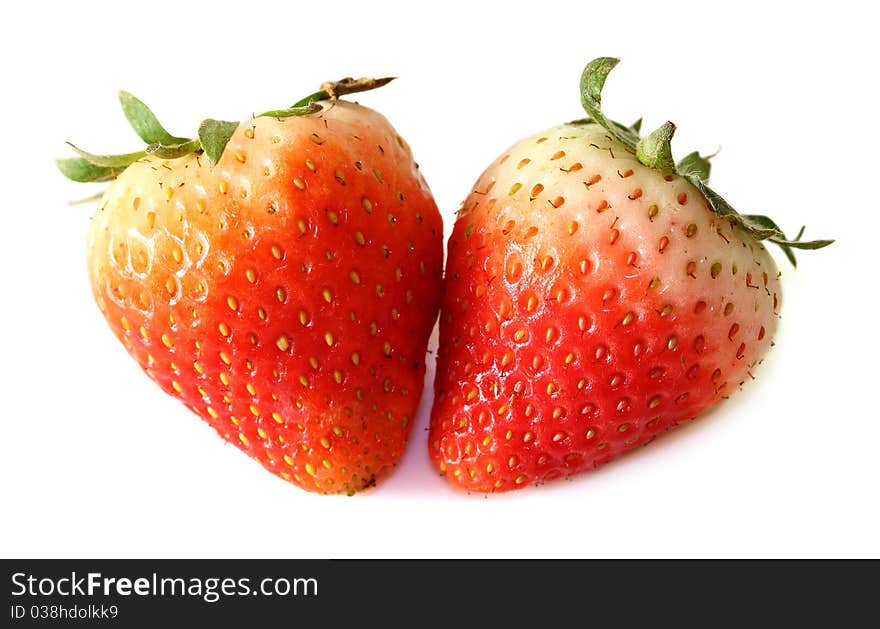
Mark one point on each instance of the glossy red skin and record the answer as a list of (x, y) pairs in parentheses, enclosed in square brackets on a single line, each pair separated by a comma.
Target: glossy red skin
[(238, 329), (605, 389), (558, 352)]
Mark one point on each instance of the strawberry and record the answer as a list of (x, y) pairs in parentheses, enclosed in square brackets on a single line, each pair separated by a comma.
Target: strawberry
[(280, 277), (596, 294)]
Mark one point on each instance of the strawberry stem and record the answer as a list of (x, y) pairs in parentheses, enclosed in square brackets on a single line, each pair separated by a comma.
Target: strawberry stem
[(655, 149), (334, 89), (212, 138), (331, 90)]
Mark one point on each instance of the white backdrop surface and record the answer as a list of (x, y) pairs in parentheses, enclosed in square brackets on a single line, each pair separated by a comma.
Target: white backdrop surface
[(96, 461)]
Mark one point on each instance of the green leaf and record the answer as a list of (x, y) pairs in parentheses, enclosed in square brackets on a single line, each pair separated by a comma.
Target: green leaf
[(716, 202), (173, 151), (111, 161), (655, 149), (214, 136), (592, 82), (311, 98), (78, 169), (761, 225), (758, 226), (797, 243), (788, 253), (694, 164), (803, 244), (144, 122), (296, 110)]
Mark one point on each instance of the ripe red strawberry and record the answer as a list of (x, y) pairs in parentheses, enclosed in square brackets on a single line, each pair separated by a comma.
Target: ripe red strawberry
[(596, 294), (279, 276)]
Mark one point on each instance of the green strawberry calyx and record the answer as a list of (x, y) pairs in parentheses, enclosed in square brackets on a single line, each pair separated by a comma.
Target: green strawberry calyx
[(655, 151), (212, 138)]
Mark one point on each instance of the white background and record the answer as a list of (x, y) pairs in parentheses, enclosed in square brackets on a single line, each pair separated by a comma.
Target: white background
[(96, 461)]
